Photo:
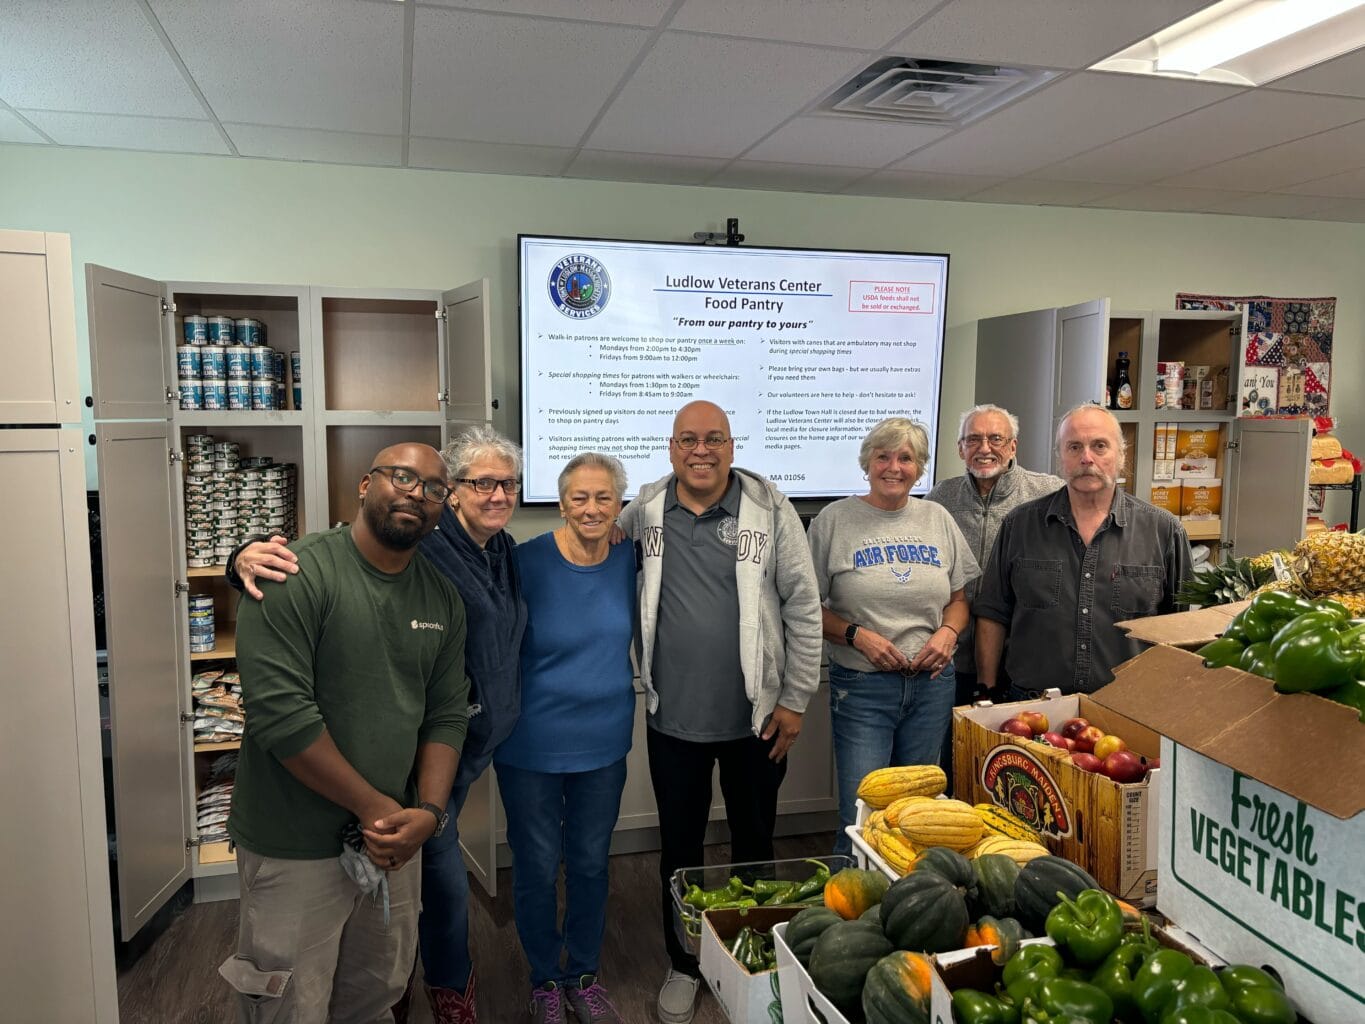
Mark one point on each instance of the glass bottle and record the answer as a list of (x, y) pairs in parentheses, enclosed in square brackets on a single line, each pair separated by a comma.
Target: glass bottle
[(1123, 387)]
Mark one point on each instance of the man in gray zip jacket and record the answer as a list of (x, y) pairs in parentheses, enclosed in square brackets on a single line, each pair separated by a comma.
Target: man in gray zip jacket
[(978, 501), (730, 651)]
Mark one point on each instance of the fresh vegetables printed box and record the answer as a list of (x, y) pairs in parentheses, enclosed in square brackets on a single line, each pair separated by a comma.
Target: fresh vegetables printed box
[(744, 997), (1262, 835), (1091, 820)]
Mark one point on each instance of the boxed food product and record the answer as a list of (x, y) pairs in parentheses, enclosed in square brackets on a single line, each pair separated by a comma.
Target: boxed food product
[(1201, 499), (1197, 440), (1166, 495)]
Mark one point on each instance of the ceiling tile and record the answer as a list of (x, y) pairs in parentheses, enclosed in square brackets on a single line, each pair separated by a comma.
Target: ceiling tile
[(1165, 197), (914, 185), (710, 96), (622, 12), (466, 83), (113, 131), (851, 141), (1344, 76), (319, 146), (784, 177), (672, 170), (865, 24), (1053, 33), (1065, 118), (302, 64), (1272, 204), (1350, 185), (487, 158), (1038, 192), (103, 58), (14, 130), (1316, 156), (1341, 209), (1248, 122)]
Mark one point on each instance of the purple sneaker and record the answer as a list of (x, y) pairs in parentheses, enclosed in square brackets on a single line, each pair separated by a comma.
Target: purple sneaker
[(547, 1005), (590, 1003)]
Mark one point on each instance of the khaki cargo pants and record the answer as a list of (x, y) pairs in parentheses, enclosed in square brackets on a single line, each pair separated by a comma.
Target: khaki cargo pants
[(312, 948)]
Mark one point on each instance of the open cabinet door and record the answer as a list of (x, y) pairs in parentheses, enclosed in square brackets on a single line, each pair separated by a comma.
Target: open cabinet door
[(1082, 350), (1265, 495), (144, 615), (1015, 360), (479, 831), (130, 348), (467, 353)]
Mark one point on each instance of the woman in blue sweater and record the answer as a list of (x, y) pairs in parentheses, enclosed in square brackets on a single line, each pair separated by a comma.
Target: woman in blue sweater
[(473, 549), (562, 770)]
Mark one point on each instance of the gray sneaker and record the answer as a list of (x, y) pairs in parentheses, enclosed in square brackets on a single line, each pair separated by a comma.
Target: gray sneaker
[(547, 1005), (678, 998), (589, 1002)]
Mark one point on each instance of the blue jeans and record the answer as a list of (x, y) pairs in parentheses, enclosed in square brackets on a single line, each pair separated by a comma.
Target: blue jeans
[(443, 928), (881, 719), (558, 818)]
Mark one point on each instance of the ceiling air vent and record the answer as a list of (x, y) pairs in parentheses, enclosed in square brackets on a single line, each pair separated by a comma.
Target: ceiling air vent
[(939, 92)]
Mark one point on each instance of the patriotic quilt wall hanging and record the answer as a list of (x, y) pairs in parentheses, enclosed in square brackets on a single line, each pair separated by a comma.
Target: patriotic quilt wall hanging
[(1287, 352)]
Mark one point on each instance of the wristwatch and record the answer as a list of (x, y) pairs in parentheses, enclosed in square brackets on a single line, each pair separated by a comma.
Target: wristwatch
[(850, 632), (442, 817)]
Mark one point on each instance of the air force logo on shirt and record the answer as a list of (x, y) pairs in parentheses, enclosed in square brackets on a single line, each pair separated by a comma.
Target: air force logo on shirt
[(417, 624)]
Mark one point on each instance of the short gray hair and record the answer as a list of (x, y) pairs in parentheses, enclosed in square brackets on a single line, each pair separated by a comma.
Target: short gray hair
[(594, 460), (475, 442), (1092, 407), (890, 434), (982, 410)]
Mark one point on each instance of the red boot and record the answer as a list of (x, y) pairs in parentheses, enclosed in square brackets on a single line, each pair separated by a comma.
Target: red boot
[(450, 1006)]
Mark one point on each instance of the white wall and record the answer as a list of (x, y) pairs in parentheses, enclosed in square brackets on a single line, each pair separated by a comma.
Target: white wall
[(220, 219)]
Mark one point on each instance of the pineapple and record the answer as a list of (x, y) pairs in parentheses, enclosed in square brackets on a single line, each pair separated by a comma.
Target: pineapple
[(1355, 601), (1331, 562), (1234, 580)]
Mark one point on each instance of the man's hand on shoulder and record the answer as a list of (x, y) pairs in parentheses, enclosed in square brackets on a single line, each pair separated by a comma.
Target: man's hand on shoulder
[(394, 839), (785, 724)]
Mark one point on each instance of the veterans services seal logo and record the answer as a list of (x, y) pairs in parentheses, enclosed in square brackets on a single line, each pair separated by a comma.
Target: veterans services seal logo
[(579, 286)]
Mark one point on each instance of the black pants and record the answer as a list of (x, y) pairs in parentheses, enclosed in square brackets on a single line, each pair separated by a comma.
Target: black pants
[(680, 771)]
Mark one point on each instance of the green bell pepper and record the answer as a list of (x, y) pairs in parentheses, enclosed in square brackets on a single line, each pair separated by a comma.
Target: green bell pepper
[(1198, 987), (1317, 659), (1063, 1001), (1224, 651), (1255, 625), (1351, 694), (1154, 986), (1279, 605), (1326, 604), (1256, 997), (1256, 659), (1091, 925), (973, 1007), (1199, 1015), (1311, 622), (1115, 978), (1028, 968)]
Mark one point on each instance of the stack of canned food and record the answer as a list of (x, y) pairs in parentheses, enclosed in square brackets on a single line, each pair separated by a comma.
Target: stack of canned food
[(202, 637), (228, 497), (226, 364)]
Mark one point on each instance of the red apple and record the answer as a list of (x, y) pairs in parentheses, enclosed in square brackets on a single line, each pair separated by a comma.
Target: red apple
[(1153, 763), (1072, 726), (1087, 738), (1037, 721), (1106, 745), (1124, 766), (1017, 727), (1059, 741), (1086, 762)]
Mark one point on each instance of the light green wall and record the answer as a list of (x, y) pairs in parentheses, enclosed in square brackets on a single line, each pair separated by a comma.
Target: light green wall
[(220, 219)]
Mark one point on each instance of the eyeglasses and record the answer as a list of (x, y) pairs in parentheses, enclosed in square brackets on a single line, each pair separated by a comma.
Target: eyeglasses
[(487, 485), (712, 442), (406, 480), (994, 440)]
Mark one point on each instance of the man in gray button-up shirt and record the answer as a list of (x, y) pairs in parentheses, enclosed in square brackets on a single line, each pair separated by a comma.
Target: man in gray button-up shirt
[(1067, 566)]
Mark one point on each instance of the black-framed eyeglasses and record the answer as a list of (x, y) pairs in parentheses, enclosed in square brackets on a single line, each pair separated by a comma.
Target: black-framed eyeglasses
[(404, 479), (488, 484), (712, 442), (994, 440)]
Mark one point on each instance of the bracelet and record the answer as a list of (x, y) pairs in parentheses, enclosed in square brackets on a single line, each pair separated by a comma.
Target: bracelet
[(946, 626)]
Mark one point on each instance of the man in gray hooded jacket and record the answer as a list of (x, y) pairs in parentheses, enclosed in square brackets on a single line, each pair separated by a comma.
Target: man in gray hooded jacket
[(730, 654)]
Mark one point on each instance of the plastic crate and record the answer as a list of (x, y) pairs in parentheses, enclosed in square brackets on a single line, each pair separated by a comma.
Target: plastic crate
[(865, 857), (802, 1002), (687, 919)]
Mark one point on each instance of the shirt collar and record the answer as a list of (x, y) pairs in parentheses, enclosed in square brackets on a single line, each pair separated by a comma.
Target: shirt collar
[(729, 501), (1059, 507)]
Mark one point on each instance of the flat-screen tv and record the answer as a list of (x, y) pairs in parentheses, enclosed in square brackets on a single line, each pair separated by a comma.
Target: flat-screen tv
[(805, 349)]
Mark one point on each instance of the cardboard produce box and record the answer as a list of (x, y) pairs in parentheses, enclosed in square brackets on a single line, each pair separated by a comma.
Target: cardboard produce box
[(743, 996), (1262, 835), (1085, 817)]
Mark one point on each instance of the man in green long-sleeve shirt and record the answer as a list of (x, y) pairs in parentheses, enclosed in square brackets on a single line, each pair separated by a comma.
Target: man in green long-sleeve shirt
[(356, 703)]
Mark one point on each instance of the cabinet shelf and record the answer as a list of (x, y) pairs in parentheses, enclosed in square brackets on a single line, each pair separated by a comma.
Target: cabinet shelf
[(217, 748), (225, 646), (217, 855), (240, 418), (209, 571), (380, 418)]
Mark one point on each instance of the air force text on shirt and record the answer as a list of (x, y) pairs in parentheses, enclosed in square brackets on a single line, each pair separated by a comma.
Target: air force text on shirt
[(893, 550)]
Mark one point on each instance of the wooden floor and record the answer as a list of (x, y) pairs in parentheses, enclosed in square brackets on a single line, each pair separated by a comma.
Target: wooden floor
[(176, 980)]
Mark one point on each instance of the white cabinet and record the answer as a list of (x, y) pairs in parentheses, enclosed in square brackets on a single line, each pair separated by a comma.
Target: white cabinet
[(37, 329), (1041, 363), (375, 368)]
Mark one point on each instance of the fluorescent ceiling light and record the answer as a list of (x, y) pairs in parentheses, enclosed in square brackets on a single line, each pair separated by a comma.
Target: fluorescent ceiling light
[(1247, 42)]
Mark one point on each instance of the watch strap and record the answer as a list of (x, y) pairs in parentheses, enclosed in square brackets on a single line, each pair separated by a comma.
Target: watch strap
[(850, 632), (440, 813)]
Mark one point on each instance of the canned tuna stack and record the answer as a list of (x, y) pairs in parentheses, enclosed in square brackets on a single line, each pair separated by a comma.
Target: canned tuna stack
[(226, 364), (296, 375), (202, 636), (266, 500), (261, 362)]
